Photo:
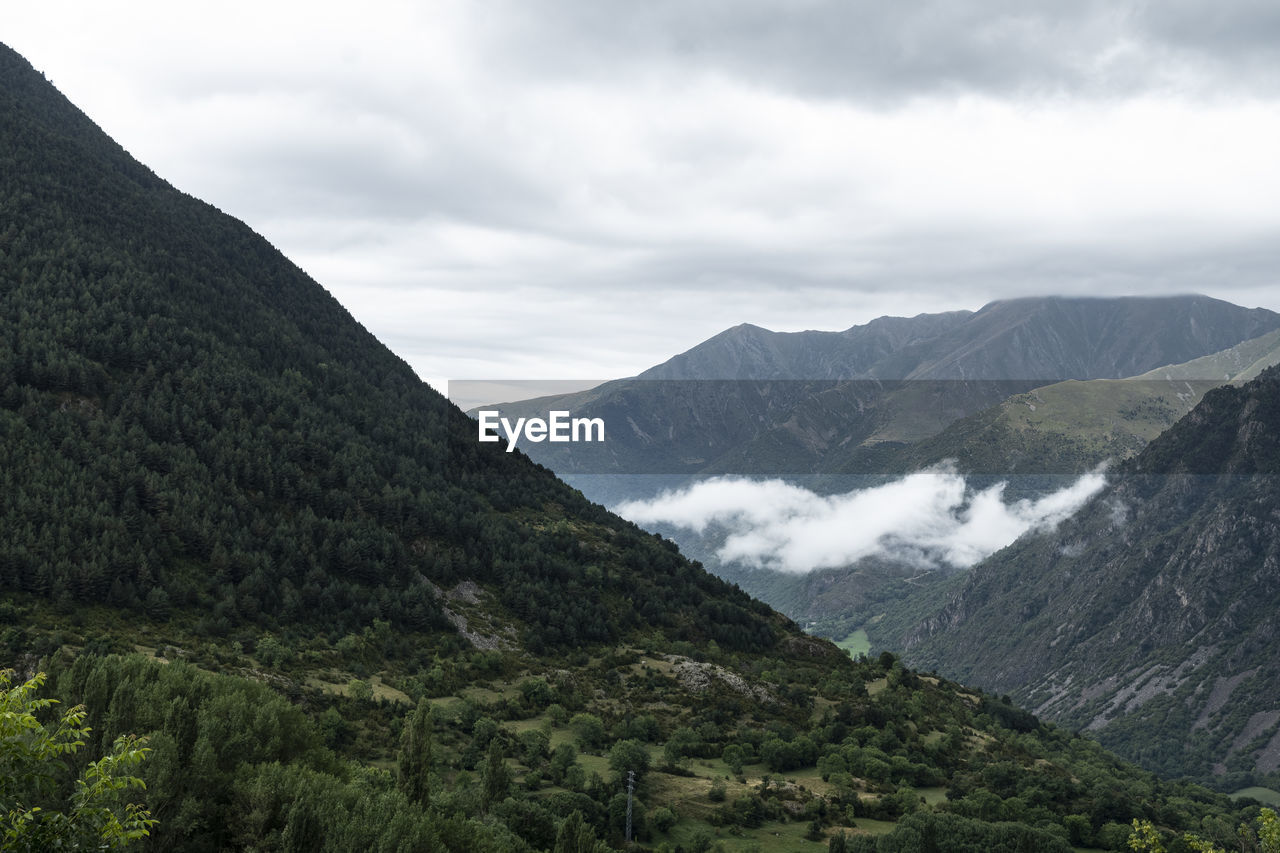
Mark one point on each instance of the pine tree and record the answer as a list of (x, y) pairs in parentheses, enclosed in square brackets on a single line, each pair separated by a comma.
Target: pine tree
[(415, 755), (497, 779), (576, 836)]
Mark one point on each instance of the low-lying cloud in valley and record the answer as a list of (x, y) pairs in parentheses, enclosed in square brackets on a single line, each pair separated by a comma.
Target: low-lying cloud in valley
[(931, 519)]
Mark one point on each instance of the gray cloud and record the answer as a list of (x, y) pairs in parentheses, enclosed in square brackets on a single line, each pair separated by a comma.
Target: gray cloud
[(1243, 35), (881, 52), (577, 189)]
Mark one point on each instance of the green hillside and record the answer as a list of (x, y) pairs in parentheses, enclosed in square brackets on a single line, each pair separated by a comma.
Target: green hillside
[(1070, 427), (231, 442)]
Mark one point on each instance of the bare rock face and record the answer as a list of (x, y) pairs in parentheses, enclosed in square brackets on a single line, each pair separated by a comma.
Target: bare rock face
[(699, 677), (1150, 617)]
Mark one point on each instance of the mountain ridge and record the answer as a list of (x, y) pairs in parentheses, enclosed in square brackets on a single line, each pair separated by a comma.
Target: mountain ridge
[(748, 351), (1125, 619), (947, 345)]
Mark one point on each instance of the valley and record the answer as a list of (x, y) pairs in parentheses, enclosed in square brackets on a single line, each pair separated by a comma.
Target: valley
[(1032, 443), (240, 533)]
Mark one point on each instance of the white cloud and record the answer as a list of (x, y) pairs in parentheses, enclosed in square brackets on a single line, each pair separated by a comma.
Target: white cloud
[(930, 518)]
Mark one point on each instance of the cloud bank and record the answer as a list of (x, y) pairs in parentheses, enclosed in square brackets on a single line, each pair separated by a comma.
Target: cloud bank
[(930, 519), (576, 189)]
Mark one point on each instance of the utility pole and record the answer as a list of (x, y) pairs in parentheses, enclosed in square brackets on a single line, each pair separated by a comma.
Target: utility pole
[(631, 787)]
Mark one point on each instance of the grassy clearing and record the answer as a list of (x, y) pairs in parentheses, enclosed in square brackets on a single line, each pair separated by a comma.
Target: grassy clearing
[(688, 794), (386, 691), (380, 689), (557, 735), (447, 707), (1262, 795), (933, 796), (769, 838), (1102, 415), (715, 768), (594, 764), (665, 667), (856, 643), (490, 696), (324, 686), (808, 778), (521, 726), (867, 826)]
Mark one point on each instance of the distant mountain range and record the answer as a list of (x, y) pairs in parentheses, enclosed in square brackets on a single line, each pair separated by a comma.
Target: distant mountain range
[(762, 403), (1031, 441), (1039, 338)]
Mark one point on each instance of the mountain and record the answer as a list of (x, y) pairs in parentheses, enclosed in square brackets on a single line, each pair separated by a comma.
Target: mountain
[(1239, 363), (857, 433), (1031, 338), (195, 433), (1149, 617), (1032, 442), (233, 523), (179, 394), (1057, 338), (983, 358), (750, 352), (956, 388), (760, 403)]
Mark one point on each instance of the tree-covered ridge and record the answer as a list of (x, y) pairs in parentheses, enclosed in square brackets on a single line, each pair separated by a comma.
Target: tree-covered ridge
[(189, 421)]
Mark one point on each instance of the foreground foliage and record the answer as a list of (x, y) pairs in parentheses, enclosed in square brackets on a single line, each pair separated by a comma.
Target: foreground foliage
[(39, 810), (1264, 838), (527, 752)]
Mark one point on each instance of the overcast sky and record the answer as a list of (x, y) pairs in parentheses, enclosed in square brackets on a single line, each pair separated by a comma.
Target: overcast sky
[(582, 188)]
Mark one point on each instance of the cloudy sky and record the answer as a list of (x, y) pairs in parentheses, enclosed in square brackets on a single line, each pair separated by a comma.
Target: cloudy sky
[(581, 188)]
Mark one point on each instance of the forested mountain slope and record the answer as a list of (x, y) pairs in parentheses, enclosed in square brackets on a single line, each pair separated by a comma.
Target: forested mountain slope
[(1150, 616), (233, 523), (190, 421)]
